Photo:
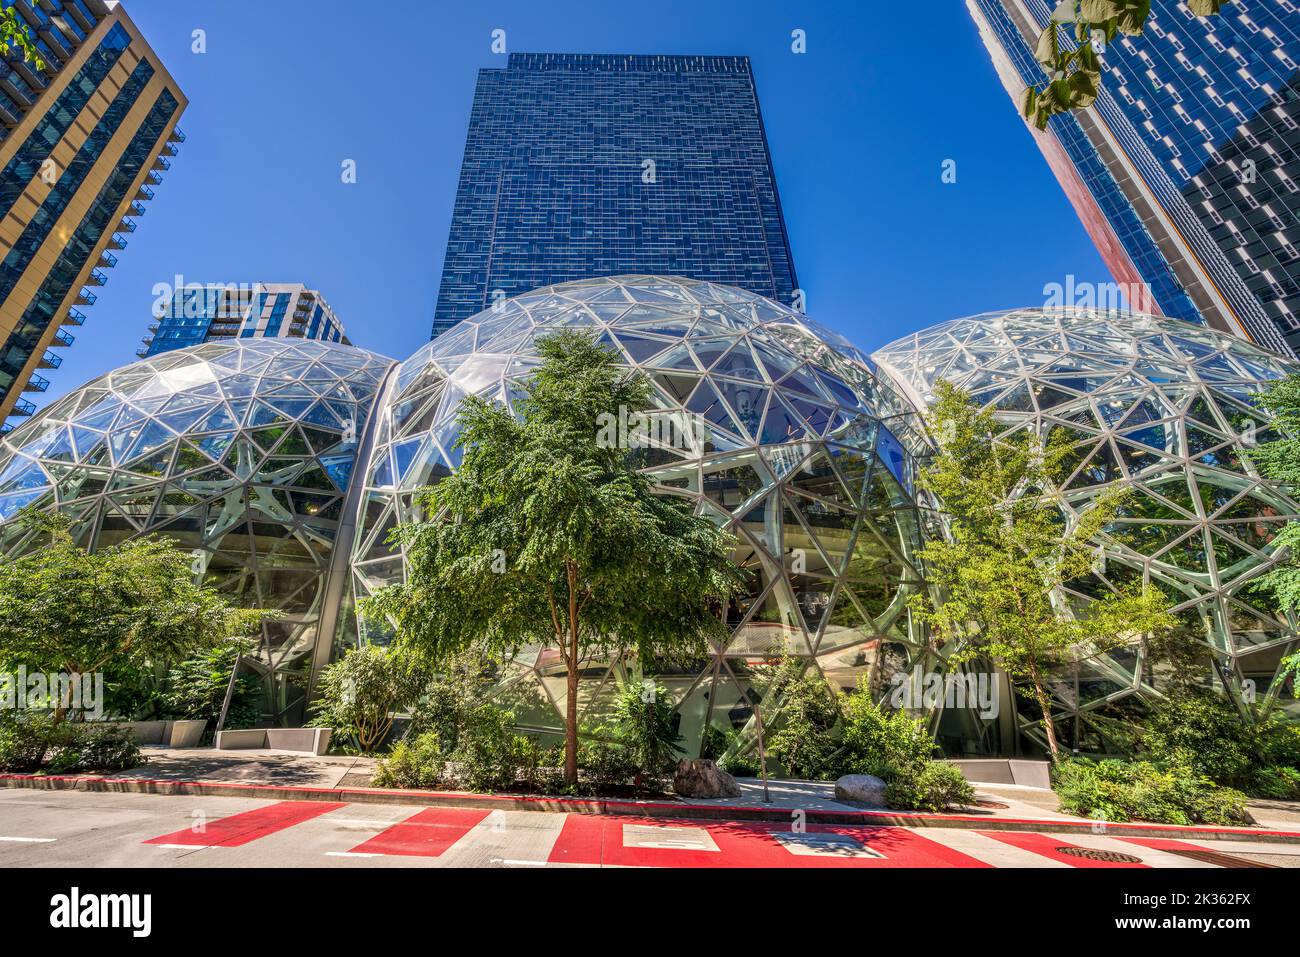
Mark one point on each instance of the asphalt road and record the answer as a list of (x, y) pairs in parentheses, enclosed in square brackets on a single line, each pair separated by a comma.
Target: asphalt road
[(82, 829)]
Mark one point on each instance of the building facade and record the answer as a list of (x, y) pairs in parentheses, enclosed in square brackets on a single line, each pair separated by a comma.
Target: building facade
[(579, 166), (1186, 170), (84, 140), (198, 313)]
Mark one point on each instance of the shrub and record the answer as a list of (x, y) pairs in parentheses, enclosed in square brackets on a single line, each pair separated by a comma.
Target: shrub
[(1279, 782), (414, 763), (1128, 790), (24, 742), (606, 764), (491, 756), (361, 692), (887, 744), (1201, 731), (645, 728), (936, 786), (86, 747), (196, 689), (804, 740)]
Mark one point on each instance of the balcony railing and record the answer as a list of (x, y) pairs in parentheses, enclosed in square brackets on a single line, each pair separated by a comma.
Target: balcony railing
[(63, 338), (37, 383), (162, 162), (137, 208), (97, 278), (145, 194), (23, 407), (176, 135), (86, 298), (117, 242), (75, 317), (50, 360), (107, 259), (126, 225)]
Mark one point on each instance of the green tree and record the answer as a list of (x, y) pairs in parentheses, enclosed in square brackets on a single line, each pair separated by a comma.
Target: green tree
[(547, 535), (63, 608), (361, 693), (15, 37), (1074, 71), (196, 687), (1279, 460), (1011, 548)]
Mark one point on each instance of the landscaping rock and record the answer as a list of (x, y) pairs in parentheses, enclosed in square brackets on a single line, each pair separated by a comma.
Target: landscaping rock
[(861, 789), (702, 778)]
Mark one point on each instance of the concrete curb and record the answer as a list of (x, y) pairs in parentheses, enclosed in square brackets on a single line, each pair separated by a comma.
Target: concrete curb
[(659, 809)]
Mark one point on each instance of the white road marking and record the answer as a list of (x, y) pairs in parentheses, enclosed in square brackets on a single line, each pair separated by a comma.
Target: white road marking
[(29, 840), (349, 854)]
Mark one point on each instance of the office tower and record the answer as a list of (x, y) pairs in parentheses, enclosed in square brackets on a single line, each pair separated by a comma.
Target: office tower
[(578, 166), (85, 138), (197, 313), (1186, 171)]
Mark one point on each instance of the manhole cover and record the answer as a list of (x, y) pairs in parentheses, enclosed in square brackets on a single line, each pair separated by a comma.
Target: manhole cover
[(994, 805), (1095, 854)]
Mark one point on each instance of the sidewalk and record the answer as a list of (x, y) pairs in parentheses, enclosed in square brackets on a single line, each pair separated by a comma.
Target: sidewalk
[(291, 776)]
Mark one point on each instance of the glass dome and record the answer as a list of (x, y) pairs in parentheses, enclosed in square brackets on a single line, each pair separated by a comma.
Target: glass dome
[(1167, 409), (802, 452), (241, 451)]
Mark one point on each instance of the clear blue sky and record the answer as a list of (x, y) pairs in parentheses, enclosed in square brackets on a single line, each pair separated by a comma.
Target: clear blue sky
[(858, 128)]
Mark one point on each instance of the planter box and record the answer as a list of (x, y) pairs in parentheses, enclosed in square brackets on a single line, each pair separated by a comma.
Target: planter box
[(172, 734), (1034, 774), (300, 740)]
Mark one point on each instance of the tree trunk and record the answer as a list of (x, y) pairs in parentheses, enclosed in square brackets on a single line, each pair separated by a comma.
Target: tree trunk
[(571, 705), (1049, 726)]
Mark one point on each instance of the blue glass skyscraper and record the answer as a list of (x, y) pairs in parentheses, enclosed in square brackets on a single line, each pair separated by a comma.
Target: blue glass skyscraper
[(1186, 170), (582, 165)]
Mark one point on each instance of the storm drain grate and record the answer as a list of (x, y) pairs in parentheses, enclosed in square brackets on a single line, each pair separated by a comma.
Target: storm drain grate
[(1218, 858), (1096, 854)]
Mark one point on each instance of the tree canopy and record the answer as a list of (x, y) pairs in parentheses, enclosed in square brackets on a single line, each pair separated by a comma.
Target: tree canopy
[(1011, 548), (64, 608), (547, 536)]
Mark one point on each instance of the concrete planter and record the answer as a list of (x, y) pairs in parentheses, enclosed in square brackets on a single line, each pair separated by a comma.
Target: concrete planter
[(1034, 774), (186, 734), (172, 734), (298, 740)]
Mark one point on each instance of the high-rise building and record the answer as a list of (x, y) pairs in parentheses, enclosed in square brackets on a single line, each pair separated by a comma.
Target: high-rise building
[(84, 138), (578, 166), (1186, 170), (199, 313)]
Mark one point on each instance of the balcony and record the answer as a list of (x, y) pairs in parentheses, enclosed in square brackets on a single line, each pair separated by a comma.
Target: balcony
[(154, 177), (58, 44), (75, 317), (126, 226), (144, 195), (37, 383), (107, 259), (162, 163), (63, 339), (170, 150), (24, 408), (86, 298), (152, 327), (176, 135), (85, 19), (117, 242), (50, 360), (137, 208), (144, 349), (97, 278)]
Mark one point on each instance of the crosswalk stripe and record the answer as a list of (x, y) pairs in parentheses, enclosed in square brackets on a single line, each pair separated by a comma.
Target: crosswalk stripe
[(240, 829)]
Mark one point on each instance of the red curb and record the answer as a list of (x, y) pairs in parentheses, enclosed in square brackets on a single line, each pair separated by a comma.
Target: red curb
[(665, 809)]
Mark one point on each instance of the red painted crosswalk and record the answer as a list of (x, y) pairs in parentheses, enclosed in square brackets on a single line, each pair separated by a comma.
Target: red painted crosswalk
[(426, 834), (239, 829), (456, 835)]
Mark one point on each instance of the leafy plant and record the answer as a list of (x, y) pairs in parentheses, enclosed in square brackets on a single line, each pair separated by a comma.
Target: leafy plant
[(1074, 69), (491, 756), (16, 37), (1139, 790), (643, 717), (196, 689), (805, 719), (65, 609), (1010, 550), (88, 747), (361, 693), (934, 786), (888, 744), (547, 535), (413, 763), (606, 764)]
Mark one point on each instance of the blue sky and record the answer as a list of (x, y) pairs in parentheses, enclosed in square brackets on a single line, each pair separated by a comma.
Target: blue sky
[(859, 127)]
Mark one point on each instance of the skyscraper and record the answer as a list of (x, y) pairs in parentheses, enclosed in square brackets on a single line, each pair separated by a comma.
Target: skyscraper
[(1186, 170), (85, 139), (194, 314), (579, 165)]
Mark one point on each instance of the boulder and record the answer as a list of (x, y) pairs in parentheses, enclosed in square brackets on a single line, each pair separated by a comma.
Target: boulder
[(702, 778), (861, 789)]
